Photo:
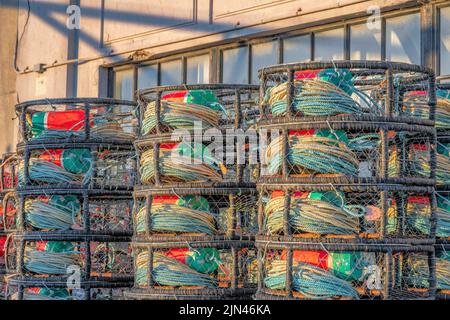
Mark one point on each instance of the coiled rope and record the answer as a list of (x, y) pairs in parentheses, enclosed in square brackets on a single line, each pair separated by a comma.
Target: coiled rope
[(54, 214), (170, 272), (311, 154), (51, 262), (310, 281), (316, 97), (179, 115), (184, 168), (176, 218), (313, 216)]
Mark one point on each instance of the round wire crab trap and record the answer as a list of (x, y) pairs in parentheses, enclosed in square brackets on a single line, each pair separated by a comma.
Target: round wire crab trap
[(76, 166), (64, 212), (77, 120), (442, 270), (166, 109), (203, 270), (202, 214), (330, 213), (8, 182), (344, 271), (166, 161), (26, 289), (356, 90), (52, 260), (332, 151)]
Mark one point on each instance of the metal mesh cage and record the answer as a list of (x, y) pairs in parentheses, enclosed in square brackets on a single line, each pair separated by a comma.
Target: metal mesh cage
[(330, 212), (77, 166), (345, 271), (442, 270), (357, 89), (203, 213), (77, 119), (165, 161), (347, 152), (194, 270), (52, 257), (88, 211), (186, 107)]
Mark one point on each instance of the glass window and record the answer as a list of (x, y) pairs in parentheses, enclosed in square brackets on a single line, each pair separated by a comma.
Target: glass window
[(124, 84), (147, 76), (297, 49), (263, 55), (445, 41), (198, 69), (403, 39), (171, 73), (329, 45), (365, 43), (235, 65)]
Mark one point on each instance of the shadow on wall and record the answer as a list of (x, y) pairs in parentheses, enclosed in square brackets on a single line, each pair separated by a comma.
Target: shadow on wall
[(45, 10)]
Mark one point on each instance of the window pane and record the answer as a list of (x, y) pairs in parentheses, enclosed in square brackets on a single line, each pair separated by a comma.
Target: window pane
[(123, 84), (445, 41), (329, 45), (235, 65), (403, 39), (148, 76), (198, 69), (365, 44), (171, 73), (263, 55), (297, 49)]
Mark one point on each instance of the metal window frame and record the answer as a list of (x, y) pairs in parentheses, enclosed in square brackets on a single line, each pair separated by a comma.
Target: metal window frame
[(216, 52)]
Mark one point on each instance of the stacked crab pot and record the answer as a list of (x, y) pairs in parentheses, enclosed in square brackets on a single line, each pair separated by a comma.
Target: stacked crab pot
[(443, 192), (8, 182), (346, 182), (76, 169), (195, 202)]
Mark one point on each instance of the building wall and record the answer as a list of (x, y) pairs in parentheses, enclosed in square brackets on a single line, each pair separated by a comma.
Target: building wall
[(8, 92), (115, 31)]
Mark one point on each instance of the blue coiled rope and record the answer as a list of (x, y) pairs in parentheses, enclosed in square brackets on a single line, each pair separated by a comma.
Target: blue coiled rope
[(313, 216), (170, 272), (315, 154)]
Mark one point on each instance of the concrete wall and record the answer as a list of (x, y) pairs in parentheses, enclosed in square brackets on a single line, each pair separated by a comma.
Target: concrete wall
[(112, 30), (8, 92)]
